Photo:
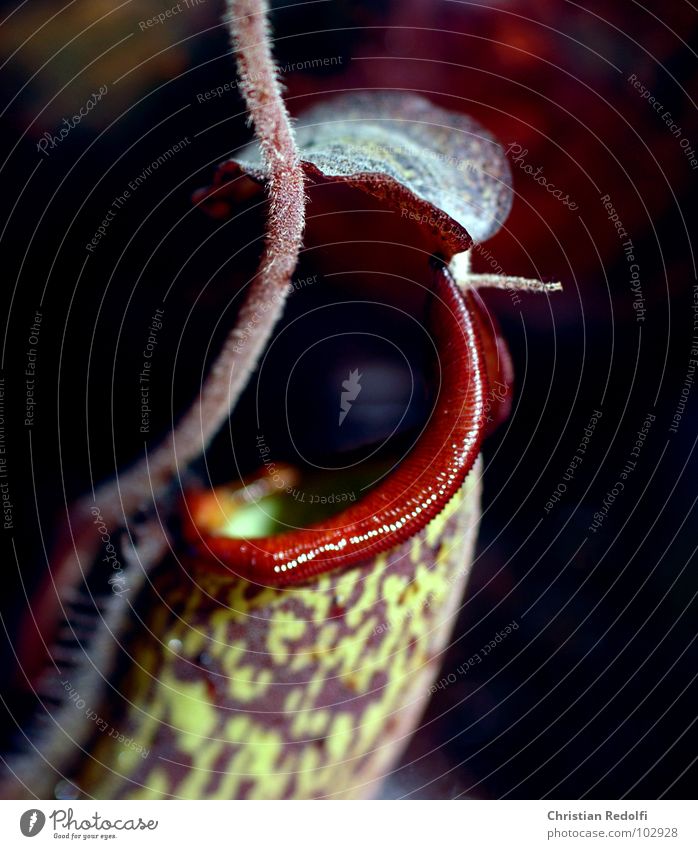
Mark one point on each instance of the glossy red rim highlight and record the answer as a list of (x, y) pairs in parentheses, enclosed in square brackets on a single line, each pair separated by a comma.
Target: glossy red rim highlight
[(410, 496)]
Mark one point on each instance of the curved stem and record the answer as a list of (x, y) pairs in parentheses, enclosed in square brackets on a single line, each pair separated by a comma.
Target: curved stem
[(247, 20)]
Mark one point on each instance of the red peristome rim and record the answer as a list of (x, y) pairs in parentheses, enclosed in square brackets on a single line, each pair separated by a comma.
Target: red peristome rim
[(411, 496)]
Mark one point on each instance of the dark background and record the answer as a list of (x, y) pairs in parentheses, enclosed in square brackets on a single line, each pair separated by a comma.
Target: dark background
[(594, 694)]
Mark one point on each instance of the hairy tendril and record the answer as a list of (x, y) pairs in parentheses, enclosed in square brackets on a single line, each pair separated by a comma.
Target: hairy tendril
[(248, 25)]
